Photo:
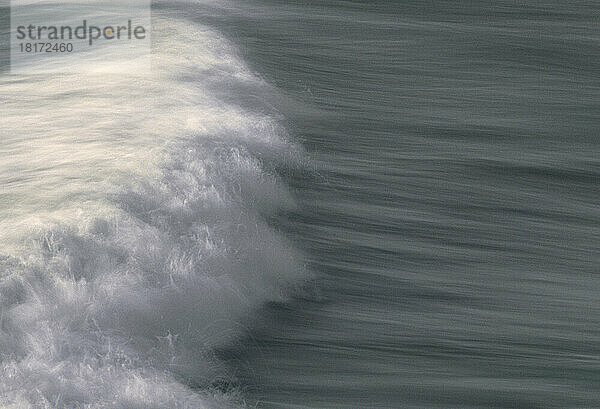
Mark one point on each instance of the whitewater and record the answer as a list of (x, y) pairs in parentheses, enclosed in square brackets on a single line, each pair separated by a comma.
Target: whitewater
[(135, 234)]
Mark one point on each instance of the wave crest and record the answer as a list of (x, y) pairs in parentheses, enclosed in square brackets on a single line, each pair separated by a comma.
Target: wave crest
[(116, 288)]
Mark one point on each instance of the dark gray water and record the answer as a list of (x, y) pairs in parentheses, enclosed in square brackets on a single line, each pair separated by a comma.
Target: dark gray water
[(454, 223)]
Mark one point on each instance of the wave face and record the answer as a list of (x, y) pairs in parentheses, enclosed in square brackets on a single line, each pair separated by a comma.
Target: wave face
[(455, 222), (134, 227)]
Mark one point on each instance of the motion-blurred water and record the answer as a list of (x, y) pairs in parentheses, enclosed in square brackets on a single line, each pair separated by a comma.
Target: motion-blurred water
[(446, 207), (454, 225)]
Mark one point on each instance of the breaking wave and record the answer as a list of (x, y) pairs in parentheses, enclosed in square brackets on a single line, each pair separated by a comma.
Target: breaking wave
[(134, 227)]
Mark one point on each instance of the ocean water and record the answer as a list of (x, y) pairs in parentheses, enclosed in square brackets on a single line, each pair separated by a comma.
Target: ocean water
[(312, 204)]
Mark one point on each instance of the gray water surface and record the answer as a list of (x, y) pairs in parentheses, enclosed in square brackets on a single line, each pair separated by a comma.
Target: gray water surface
[(453, 223)]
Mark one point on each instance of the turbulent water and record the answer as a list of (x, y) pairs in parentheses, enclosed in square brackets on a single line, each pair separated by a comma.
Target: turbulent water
[(135, 227), (315, 204)]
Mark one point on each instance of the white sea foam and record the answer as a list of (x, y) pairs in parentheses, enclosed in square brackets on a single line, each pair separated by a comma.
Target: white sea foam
[(133, 228)]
